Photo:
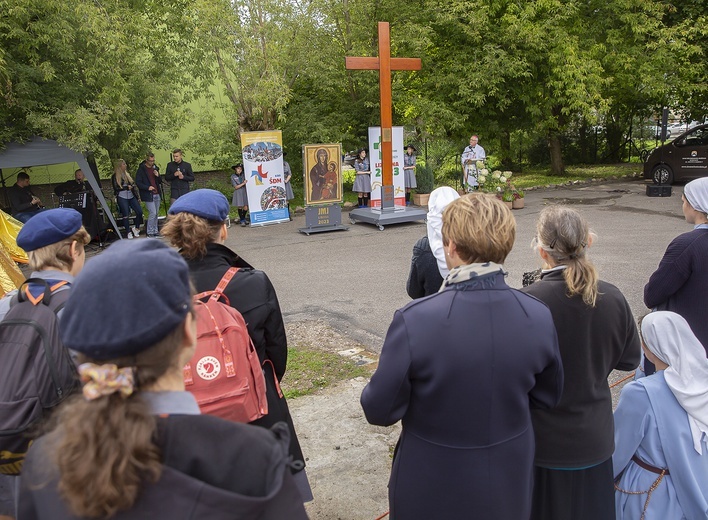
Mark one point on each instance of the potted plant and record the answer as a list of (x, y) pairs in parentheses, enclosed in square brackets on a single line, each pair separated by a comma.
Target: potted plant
[(518, 202), (507, 196), (424, 178)]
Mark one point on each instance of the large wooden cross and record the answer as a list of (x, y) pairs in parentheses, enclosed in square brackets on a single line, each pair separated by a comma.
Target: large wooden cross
[(384, 64)]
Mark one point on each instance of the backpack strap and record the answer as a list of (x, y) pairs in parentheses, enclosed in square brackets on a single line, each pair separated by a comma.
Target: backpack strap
[(224, 282), (218, 292), (25, 294)]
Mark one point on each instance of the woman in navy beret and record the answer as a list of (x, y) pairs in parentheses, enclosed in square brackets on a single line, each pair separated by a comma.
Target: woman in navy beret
[(197, 226), (133, 444)]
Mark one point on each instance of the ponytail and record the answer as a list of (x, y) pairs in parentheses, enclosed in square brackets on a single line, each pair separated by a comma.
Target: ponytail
[(563, 233), (104, 447)]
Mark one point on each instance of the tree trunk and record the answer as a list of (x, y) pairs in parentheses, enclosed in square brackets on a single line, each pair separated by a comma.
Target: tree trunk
[(505, 149), (554, 146)]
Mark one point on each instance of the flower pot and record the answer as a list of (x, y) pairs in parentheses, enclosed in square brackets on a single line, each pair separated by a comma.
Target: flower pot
[(421, 199), (517, 204), (508, 204)]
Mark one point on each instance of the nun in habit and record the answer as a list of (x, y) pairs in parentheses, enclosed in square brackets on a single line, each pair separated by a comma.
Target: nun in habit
[(661, 426)]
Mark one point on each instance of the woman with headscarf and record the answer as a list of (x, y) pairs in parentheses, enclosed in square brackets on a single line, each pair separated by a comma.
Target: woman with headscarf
[(197, 225), (461, 369), (596, 335), (661, 428), (428, 267), (680, 283)]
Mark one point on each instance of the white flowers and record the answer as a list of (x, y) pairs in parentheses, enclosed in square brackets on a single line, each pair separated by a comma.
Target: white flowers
[(480, 165)]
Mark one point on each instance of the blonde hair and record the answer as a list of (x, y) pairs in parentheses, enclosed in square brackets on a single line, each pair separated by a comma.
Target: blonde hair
[(191, 234), (105, 448), (481, 227), (122, 173), (564, 234), (58, 255)]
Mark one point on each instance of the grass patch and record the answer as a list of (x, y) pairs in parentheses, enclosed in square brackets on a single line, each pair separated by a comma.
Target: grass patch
[(541, 177), (311, 369)]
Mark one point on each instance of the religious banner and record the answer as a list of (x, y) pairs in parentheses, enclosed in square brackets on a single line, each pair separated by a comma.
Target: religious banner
[(265, 186), (322, 165), (376, 160)]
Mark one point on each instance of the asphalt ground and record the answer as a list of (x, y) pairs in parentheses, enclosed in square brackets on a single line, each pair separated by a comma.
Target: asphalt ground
[(355, 279)]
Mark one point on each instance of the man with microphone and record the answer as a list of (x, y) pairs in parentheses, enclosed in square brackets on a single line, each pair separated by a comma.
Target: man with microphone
[(148, 181)]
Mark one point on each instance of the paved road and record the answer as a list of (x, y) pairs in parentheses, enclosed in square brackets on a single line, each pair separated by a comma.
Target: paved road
[(356, 279)]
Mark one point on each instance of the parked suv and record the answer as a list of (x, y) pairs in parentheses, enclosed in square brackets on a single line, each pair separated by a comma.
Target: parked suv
[(683, 159)]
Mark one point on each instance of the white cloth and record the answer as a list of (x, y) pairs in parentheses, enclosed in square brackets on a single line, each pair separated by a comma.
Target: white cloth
[(670, 338), (475, 153), (437, 202), (696, 193)]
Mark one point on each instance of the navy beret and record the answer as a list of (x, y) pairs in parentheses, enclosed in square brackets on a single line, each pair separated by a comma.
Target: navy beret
[(208, 204), (126, 300), (48, 227)]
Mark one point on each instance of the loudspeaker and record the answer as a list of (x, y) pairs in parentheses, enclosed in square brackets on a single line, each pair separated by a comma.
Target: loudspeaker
[(658, 190)]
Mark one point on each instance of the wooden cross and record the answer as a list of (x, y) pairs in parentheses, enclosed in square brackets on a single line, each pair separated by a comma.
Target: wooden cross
[(384, 64)]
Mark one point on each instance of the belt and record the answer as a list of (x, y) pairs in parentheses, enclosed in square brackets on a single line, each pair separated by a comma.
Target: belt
[(639, 462)]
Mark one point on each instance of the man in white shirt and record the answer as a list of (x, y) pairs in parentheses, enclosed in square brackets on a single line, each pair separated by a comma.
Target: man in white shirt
[(470, 156)]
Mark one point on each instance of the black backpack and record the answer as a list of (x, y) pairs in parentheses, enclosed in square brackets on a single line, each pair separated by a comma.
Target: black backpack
[(36, 371)]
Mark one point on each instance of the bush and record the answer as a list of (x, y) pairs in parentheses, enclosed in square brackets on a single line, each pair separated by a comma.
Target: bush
[(424, 178)]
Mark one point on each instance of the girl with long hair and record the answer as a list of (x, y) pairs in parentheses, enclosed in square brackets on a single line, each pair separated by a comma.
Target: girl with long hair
[(125, 190), (133, 444)]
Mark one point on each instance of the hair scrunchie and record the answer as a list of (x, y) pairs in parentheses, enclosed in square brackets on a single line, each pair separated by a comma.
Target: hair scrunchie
[(100, 380)]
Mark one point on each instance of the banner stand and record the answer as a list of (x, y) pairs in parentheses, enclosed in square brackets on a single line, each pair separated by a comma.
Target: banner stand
[(388, 213), (320, 219)]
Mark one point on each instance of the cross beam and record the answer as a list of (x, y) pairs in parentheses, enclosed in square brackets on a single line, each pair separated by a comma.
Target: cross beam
[(384, 64)]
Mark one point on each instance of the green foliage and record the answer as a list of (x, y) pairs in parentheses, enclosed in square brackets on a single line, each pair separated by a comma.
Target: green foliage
[(424, 178)]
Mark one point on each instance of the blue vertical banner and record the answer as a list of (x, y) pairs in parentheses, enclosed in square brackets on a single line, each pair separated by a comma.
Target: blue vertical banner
[(265, 185)]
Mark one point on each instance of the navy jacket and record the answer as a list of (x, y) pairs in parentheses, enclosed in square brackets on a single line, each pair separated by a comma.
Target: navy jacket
[(424, 278), (212, 469), (680, 283), (142, 181), (461, 369)]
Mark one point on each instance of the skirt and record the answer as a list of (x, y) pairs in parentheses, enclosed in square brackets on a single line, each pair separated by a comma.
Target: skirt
[(240, 198), (409, 176), (581, 494), (289, 191), (362, 183)]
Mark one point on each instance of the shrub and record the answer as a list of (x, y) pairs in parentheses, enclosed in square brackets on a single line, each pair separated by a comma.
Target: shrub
[(424, 178)]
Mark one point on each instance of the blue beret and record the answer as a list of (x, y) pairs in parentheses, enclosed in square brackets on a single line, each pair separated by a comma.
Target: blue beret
[(48, 227), (208, 204), (126, 300)]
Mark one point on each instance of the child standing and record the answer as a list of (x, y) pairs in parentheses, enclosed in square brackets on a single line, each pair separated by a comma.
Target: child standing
[(240, 198), (409, 171)]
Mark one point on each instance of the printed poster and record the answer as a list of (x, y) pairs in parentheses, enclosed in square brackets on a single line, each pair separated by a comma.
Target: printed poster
[(262, 154), (399, 182), (323, 173)]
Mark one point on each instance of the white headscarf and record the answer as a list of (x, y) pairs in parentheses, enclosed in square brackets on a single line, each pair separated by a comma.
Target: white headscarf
[(696, 193), (438, 201), (669, 337)]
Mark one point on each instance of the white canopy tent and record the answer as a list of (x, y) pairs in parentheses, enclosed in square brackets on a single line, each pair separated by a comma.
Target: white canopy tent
[(41, 152)]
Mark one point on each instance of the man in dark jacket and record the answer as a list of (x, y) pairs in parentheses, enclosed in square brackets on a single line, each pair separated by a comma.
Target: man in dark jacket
[(23, 203), (179, 174), (149, 183)]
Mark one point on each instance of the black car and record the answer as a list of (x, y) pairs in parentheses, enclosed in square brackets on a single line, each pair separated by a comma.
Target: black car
[(683, 159)]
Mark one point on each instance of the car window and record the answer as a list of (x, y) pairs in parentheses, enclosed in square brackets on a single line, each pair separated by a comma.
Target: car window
[(698, 137)]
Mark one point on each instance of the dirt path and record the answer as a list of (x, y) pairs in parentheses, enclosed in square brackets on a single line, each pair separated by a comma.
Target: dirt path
[(348, 460)]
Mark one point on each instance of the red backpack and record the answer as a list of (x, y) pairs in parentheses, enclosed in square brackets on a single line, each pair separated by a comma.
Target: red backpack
[(225, 375)]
